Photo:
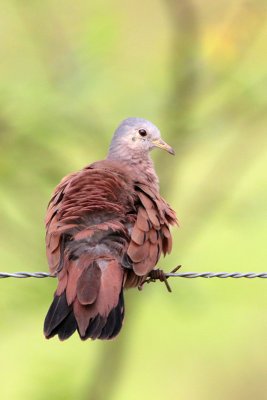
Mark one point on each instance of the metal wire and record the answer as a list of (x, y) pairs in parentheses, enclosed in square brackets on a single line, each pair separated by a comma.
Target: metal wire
[(190, 275), (236, 275), (25, 275)]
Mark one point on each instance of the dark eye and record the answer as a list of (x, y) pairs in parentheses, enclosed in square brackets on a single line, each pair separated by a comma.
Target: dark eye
[(142, 132)]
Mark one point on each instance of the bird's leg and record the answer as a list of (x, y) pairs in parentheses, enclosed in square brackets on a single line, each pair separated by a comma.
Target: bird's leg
[(158, 274)]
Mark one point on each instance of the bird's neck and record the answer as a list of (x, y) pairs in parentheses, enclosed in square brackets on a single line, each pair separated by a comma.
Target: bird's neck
[(141, 165), (144, 170)]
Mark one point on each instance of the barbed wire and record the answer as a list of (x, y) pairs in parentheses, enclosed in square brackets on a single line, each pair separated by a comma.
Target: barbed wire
[(236, 275), (26, 275), (189, 275)]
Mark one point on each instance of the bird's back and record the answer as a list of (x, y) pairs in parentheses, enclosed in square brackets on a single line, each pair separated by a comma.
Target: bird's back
[(106, 229)]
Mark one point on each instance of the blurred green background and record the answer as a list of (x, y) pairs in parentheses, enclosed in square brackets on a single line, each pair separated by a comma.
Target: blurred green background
[(69, 73)]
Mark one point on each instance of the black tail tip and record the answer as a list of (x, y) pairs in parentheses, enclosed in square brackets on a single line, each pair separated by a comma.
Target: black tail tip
[(60, 320), (106, 328)]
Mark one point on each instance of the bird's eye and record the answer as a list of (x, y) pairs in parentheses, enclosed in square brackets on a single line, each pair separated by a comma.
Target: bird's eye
[(142, 132)]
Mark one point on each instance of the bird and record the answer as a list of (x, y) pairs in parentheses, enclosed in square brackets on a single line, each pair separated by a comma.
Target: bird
[(106, 228)]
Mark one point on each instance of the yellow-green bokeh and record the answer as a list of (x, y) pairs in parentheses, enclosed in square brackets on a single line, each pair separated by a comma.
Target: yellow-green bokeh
[(69, 73)]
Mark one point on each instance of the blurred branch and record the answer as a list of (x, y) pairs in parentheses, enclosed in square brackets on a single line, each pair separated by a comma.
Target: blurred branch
[(183, 67), (108, 369), (182, 80), (184, 77)]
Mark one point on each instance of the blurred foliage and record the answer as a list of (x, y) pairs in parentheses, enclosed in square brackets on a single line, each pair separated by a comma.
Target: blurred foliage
[(70, 71)]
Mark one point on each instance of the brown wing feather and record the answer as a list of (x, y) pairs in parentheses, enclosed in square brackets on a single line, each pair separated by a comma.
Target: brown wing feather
[(153, 218)]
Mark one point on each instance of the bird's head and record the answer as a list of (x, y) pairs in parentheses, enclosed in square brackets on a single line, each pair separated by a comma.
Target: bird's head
[(137, 136)]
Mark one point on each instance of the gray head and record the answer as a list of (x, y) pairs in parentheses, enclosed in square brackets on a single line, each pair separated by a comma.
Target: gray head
[(135, 137)]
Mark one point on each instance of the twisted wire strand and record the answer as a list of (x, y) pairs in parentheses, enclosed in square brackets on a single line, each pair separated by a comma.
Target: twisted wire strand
[(236, 275), (25, 275), (189, 275)]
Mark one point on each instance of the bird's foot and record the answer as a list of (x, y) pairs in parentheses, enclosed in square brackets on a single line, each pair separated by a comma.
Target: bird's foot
[(158, 274)]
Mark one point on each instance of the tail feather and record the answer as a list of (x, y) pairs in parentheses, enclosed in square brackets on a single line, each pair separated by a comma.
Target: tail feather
[(106, 327), (61, 321), (57, 313), (114, 321), (109, 326), (94, 329), (119, 316), (97, 308), (67, 327)]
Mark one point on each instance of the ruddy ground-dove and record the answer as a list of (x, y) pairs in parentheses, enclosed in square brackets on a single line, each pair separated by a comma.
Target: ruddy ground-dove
[(106, 227)]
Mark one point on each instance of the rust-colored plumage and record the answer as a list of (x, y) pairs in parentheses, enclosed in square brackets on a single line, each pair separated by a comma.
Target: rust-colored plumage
[(106, 229)]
